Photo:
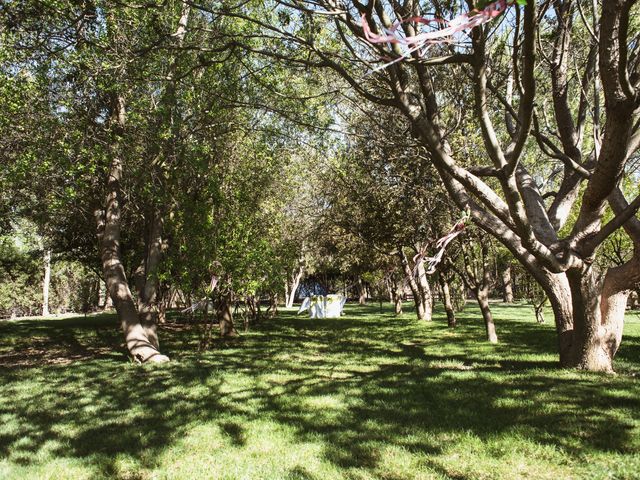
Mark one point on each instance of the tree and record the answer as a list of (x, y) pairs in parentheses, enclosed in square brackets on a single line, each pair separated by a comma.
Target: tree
[(478, 275), (445, 293), (381, 194), (110, 74), (497, 73)]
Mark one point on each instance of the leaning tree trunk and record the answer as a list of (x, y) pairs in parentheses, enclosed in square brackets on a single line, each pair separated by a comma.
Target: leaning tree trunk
[(140, 336), (413, 285), (425, 291), (446, 301), (290, 291), (46, 283), (225, 316), (557, 289), (482, 296)]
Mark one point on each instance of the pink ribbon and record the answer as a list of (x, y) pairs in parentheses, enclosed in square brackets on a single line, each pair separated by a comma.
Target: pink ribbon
[(214, 282), (422, 41), (441, 245)]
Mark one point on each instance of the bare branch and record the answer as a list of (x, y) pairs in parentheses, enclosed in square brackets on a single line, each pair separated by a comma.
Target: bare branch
[(591, 243)]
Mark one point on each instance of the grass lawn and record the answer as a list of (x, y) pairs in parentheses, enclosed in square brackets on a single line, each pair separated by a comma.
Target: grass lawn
[(362, 397)]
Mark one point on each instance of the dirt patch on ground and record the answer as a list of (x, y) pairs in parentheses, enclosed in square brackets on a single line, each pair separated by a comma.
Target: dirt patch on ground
[(41, 353)]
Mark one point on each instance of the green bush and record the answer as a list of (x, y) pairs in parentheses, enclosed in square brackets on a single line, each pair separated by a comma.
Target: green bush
[(20, 285), (73, 288)]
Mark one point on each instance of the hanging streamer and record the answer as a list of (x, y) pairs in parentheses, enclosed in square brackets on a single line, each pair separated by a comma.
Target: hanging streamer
[(441, 244), (214, 282), (422, 41)]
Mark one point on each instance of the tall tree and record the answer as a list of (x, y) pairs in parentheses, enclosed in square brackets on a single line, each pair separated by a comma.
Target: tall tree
[(496, 72)]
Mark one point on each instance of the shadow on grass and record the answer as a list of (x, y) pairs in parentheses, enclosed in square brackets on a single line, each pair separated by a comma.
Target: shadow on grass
[(355, 384)]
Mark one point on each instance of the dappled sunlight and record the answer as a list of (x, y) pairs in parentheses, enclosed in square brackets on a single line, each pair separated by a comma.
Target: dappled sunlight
[(368, 395)]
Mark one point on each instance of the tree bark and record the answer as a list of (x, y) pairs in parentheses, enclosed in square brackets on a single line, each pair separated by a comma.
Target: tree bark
[(102, 294), (598, 313), (482, 296), (589, 313), (225, 316), (46, 283), (108, 301), (425, 291), (148, 304), (507, 284), (290, 291), (273, 304), (413, 285), (446, 301), (396, 294), (141, 338), (557, 289), (362, 292)]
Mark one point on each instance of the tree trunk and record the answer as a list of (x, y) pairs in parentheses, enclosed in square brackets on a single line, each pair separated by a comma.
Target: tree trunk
[(148, 283), (273, 304), (557, 289), (446, 300), (482, 296), (286, 292), (462, 295), (598, 313), (589, 313), (396, 292), (164, 302), (140, 336), (290, 295), (633, 300), (425, 292), (148, 304), (362, 292), (413, 285), (397, 305), (507, 284), (102, 294), (108, 302), (225, 317), (46, 283)]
